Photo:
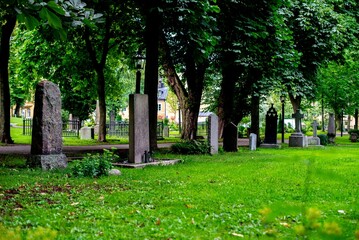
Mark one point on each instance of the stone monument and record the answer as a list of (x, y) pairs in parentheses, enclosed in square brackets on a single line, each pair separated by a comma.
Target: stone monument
[(97, 117), (297, 139), (139, 139), (331, 129), (270, 138), (213, 133), (46, 146), (252, 141), (315, 140)]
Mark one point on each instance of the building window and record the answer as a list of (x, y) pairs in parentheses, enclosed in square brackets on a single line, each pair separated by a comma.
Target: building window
[(159, 107)]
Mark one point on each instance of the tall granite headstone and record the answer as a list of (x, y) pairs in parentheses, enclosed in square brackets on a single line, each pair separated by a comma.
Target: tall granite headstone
[(271, 126), (112, 126), (331, 128), (213, 133), (139, 139), (46, 146), (298, 139)]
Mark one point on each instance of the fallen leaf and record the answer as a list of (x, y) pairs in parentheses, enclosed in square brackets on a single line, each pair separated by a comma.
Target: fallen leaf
[(237, 234)]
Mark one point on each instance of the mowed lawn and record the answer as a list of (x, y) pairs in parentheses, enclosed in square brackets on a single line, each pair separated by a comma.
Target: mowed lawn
[(280, 193)]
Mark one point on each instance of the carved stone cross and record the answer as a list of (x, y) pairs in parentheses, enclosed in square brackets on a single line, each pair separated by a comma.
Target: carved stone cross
[(315, 125), (298, 119)]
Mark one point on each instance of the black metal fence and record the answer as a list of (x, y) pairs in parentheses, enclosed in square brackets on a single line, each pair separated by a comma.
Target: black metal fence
[(70, 128), (121, 129)]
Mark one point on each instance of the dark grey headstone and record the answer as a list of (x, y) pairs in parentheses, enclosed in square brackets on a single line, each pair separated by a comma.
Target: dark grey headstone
[(271, 126), (46, 146)]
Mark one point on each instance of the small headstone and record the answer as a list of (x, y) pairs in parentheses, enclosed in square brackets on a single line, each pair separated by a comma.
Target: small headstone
[(270, 138), (252, 141), (97, 117), (213, 133), (166, 131), (46, 146), (114, 172), (298, 139), (86, 133), (315, 140), (331, 128)]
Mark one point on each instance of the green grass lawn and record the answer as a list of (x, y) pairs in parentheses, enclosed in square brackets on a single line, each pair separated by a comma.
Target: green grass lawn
[(282, 193)]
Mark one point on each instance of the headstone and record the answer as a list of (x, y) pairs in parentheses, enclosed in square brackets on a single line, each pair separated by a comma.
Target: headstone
[(253, 142), (97, 117), (213, 133), (331, 129), (271, 126), (166, 131), (315, 140), (86, 133), (70, 121), (46, 146), (139, 139), (298, 139)]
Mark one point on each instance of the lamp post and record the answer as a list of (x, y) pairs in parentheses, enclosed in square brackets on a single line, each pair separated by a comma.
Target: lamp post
[(139, 61), (282, 100)]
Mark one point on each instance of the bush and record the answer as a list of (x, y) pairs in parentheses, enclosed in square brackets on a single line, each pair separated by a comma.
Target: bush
[(95, 165), (190, 147), (323, 139)]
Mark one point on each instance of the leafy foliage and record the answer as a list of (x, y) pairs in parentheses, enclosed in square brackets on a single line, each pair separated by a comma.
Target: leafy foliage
[(323, 139), (94, 165), (190, 147)]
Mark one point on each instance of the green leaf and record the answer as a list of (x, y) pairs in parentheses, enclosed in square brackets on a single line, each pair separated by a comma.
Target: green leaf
[(54, 6), (52, 18), (30, 21)]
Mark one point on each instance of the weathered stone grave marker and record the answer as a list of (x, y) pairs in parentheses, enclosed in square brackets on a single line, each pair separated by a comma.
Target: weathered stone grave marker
[(270, 138), (252, 141), (213, 133), (298, 139), (139, 139), (46, 146), (315, 140)]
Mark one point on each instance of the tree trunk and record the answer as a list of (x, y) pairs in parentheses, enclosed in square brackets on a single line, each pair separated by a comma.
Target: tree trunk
[(99, 66), (255, 117), (190, 100), (296, 101), (17, 110), (6, 31), (225, 105), (151, 72), (102, 104)]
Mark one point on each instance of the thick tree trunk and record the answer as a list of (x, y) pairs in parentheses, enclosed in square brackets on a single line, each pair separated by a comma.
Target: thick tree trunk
[(255, 117), (190, 100), (6, 31), (225, 105), (17, 110), (296, 101), (99, 66), (102, 104), (151, 72)]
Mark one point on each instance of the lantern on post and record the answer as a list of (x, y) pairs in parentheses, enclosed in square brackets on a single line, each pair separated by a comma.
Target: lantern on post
[(139, 62)]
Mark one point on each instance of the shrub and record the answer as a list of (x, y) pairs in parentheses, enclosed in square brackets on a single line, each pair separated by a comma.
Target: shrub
[(95, 165), (323, 139), (190, 147)]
